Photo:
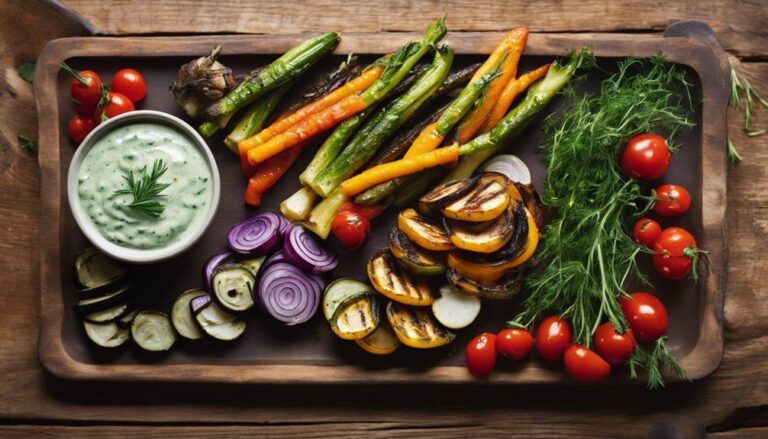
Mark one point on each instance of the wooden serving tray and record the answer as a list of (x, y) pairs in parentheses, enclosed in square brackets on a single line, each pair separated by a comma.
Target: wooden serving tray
[(310, 353)]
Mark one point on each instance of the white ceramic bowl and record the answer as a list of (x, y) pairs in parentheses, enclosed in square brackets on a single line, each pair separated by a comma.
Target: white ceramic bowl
[(128, 254)]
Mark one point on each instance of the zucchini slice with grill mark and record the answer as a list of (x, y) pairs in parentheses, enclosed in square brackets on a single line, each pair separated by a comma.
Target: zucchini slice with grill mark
[(254, 264), (415, 327), (214, 321), (106, 335), (94, 269), (153, 331), (109, 314), (101, 303), (487, 199), (340, 290), (433, 201), (382, 341), (181, 315), (423, 232), (412, 257), (233, 287), (356, 317), (486, 237), (388, 278), (508, 287), (455, 309)]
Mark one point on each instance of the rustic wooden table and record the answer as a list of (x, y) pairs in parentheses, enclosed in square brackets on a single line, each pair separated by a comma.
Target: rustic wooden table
[(733, 402)]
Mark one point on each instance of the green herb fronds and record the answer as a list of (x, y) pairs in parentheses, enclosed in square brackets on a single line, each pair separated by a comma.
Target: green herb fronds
[(653, 359), (146, 189), (587, 255), (27, 143), (741, 86)]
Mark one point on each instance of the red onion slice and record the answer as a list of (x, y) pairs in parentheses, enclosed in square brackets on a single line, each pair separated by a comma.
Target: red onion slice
[(212, 263), (288, 294), (257, 235), (284, 224), (302, 249)]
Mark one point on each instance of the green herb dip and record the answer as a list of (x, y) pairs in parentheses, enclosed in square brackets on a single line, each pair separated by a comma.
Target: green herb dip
[(130, 148)]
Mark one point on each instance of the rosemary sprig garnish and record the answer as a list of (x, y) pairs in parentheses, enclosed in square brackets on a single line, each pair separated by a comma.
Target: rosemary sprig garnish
[(587, 255), (146, 189)]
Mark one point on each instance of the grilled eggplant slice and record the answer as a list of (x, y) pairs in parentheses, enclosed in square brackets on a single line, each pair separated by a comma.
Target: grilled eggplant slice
[(356, 317), (423, 232), (106, 335), (181, 315), (214, 321), (388, 278), (126, 320), (415, 327), (485, 237), (254, 264), (152, 331), (101, 303), (94, 269), (233, 287), (488, 198), (455, 309), (340, 290), (508, 287), (382, 341), (103, 290), (413, 258), (433, 201), (109, 314), (532, 202)]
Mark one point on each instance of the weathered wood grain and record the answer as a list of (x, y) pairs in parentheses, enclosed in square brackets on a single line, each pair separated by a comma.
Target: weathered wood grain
[(740, 25)]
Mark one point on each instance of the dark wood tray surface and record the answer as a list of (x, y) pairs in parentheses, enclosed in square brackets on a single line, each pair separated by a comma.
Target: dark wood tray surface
[(272, 353)]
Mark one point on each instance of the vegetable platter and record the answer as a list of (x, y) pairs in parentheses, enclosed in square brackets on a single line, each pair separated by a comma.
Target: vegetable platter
[(276, 350)]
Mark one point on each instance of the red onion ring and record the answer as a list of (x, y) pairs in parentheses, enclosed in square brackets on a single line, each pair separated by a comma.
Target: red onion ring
[(302, 249), (288, 294), (257, 235)]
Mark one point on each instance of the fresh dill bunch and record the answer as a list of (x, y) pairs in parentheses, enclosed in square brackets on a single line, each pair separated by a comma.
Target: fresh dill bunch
[(587, 255), (146, 189)]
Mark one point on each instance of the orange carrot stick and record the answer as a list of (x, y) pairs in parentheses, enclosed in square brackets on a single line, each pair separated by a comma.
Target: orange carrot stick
[(269, 173), (514, 42), (399, 168), (356, 85), (307, 128), (510, 92)]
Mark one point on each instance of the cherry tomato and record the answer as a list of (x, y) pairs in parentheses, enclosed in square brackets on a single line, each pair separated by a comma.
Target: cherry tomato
[(116, 104), (646, 315), (583, 364), (86, 93), (615, 348), (369, 212), (646, 231), (552, 338), (481, 354), (514, 343), (646, 157), (350, 228), (79, 127), (130, 83), (676, 253), (671, 200)]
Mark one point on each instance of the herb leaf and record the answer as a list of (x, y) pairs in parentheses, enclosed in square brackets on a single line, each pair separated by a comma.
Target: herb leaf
[(27, 144), (146, 189), (26, 71)]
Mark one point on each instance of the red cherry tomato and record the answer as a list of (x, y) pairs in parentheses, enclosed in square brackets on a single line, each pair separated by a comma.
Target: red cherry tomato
[(676, 253), (584, 365), (116, 104), (646, 157), (481, 354), (130, 83), (615, 348), (514, 343), (369, 212), (86, 93), (350, 228), (646, 231), (646, 315), (552, 338), (671, 200), (79, 127)]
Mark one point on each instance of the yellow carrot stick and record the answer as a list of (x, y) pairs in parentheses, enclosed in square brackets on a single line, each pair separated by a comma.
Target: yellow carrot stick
[(399, 168), (508, 95)]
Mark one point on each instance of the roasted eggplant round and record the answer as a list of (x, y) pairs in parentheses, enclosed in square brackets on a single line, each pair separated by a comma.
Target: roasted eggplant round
[(413, 258)]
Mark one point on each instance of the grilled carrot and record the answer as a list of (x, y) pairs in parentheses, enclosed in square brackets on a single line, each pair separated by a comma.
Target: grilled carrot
[(508, 95), (269, 173)]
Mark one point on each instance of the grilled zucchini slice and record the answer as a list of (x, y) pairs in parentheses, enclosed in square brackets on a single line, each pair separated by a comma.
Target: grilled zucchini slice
[(382, 341), (181, 315), (101, 303), (388, 278), (106, 335), (152, 331), (508, 287), (214, 321), (109, 314), (233, 287), (94, 269), (356, 317), (413, 258), (126, 320), (415, 327), (340, 290), (433, 201), (485, 237), (423, 232), (488, 198)]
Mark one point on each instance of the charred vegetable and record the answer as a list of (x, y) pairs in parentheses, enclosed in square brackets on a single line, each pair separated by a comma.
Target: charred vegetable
[(413, 258), (425, 233), (201, 82), (532, 202), (392, 281), (488, 198), (382, 341), (415, 327), (486, 237), (433, 201), (233, 286), (356, 317), (339, 291), (507, 287)]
